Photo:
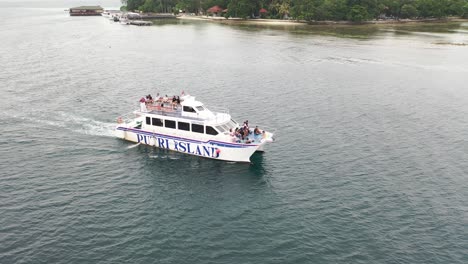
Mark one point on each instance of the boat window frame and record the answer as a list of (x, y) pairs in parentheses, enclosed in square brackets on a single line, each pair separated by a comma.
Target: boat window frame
[(207, 128), (161, 124), (202, 131), (191, 109), (148, 120), (185, 126), (167, 121)]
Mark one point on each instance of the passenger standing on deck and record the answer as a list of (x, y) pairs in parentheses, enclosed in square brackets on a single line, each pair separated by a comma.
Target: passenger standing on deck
[(149, 99), (174, 102), (257, 131), (246, 132), (143, 105), (246, 124), (233, 135)]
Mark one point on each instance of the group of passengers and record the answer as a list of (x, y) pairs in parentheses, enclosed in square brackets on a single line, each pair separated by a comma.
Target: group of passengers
[(241, 134), (159, 100)]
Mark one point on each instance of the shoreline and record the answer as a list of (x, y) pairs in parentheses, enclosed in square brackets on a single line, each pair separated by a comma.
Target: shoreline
[(242, 21), (319, 23)]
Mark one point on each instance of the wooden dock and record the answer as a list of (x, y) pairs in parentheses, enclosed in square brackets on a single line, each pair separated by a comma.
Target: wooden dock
[(140, 23)]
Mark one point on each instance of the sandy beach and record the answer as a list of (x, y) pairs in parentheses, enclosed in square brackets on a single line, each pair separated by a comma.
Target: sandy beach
[(244, 21), (321, 23)]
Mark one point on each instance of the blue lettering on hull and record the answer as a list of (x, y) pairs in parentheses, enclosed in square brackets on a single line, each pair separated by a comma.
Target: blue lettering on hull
[(142, 139), (184, 147)]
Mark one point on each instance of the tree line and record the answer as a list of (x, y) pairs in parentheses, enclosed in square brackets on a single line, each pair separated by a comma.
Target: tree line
[(310, 10)]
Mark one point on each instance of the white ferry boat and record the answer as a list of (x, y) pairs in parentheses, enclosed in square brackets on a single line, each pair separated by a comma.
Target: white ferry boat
[(185, 125), (111, 13)]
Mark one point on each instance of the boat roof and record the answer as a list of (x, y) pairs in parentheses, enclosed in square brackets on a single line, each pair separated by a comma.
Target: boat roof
[(87, 8), (220, 116), (189, 100)]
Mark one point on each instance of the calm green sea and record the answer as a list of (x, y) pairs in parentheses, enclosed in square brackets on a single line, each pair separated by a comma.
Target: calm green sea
[(370, 163)]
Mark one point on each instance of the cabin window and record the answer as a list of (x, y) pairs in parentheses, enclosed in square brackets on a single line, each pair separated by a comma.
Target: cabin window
[(198, 128), (211, 131), (157, 122), (170, 124), (148, 120), (189, 109), (184, 126), (200, 108)]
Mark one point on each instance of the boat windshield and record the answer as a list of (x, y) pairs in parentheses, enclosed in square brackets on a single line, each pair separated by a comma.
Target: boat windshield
[(221, 129), (232, 123), (227, 126), (200, 108)]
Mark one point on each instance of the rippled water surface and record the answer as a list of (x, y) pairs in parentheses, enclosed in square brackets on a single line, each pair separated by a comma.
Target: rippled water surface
[(370, 163)]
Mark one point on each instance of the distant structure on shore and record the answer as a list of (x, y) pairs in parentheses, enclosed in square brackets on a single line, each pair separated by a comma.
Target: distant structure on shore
[(86, 11)]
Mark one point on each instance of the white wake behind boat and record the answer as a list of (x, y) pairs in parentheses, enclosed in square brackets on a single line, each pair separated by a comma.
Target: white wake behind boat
[(187, 126)]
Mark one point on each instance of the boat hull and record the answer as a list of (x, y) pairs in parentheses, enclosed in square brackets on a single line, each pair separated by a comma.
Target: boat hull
[(207, 149)]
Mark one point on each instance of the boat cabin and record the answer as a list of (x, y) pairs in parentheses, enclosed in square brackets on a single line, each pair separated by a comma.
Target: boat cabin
[(195, 109), (188, 116)]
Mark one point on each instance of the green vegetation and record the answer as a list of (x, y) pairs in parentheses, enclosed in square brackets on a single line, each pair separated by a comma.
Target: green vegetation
[(311, 10)]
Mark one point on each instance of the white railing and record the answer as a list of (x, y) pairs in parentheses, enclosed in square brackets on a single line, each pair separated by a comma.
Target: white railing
[(127, 118), (269, 130)]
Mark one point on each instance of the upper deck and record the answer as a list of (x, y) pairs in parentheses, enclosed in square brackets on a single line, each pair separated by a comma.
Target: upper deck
[(187, 108)]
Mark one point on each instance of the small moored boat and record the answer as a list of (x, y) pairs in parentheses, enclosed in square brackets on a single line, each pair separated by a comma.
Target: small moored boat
[(110, 14), (185, 125)]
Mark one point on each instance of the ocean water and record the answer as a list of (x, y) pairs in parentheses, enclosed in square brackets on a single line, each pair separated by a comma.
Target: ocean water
[(369, 166)]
